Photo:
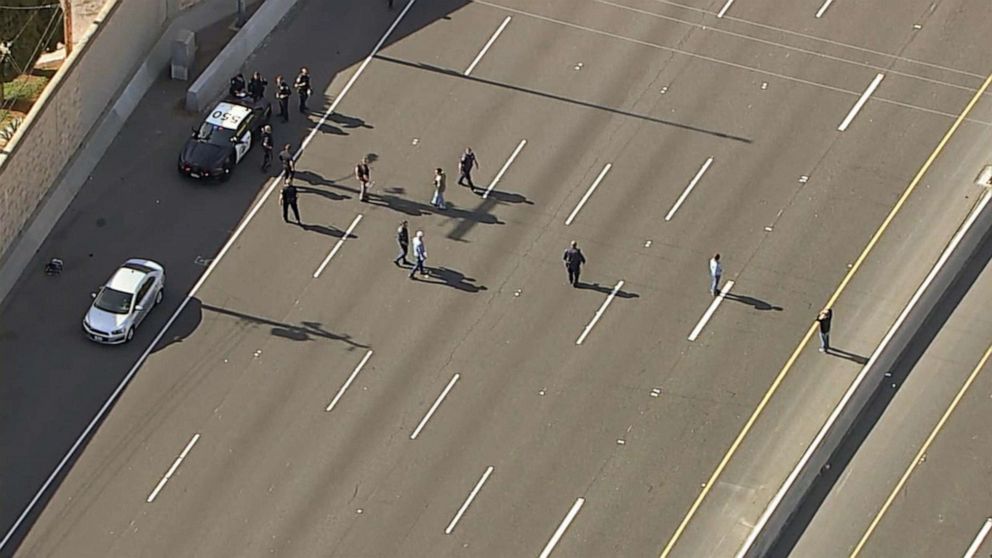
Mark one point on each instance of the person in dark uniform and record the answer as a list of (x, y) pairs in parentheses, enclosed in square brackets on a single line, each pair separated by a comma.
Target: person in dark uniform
[(390, 4), (465, 165), (288, 197), (283, 93), (256, 86), (363, 175), (573, 263), (403, 239), (266, 147), (303, 88), (237, 88), (288, 164)]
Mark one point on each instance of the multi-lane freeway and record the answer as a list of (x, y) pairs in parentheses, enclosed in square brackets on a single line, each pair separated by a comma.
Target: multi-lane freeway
[(297, 395)]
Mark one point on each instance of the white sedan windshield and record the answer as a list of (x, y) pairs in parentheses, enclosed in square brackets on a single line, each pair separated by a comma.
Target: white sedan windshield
[(115, 302)]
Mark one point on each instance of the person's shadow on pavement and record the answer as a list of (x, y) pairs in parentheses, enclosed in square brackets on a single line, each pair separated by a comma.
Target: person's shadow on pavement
[(758, 304), (604, 289), (452, 278), (847, 355)]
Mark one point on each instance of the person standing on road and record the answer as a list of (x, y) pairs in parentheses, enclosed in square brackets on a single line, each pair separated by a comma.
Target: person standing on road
[(465, 166), (419, 254), (390, 4), (716, 270), (826, 315), (283, 93), (440, 184), (288, 196), (288, 164), (256, 86), (573, 259), (237, 88), (303, 88), (266, 147), (403, 239), (363, 174)]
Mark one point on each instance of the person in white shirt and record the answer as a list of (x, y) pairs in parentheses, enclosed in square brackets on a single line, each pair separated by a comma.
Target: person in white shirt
[(419, 254), (716, 270)]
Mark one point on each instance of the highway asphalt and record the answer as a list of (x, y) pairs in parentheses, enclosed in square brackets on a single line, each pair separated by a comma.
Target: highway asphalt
[(472, 380)]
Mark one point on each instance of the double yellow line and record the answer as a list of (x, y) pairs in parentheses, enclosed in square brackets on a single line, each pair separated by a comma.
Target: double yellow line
[(812, 329)]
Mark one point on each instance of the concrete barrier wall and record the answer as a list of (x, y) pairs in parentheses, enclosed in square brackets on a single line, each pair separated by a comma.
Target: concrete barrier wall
[(215, 78), (863, 389)]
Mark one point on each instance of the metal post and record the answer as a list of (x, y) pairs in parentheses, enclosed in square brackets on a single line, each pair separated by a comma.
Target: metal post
[(241, 13), (67, 25)]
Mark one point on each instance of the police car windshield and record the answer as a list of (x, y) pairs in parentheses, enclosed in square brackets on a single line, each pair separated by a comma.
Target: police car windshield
[(214, 134)]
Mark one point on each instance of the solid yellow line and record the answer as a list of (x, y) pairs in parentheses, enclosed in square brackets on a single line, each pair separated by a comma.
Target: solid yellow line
[(919, 455), (812, 329)]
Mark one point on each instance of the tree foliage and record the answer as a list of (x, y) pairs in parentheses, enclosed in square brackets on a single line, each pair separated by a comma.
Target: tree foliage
[(31, 27)]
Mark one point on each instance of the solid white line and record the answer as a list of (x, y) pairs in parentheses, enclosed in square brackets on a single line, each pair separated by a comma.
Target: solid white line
[(588, 193), (203, 278), (488, 44), (434, 407), (561, 528), (506, 165), (337, 246), (823, 8), (471, 496), (599, 313), (861, 102), (975, 544), (688, 189), (175, 465), (709, 311), (347, 383), (725, 8), (853, 388)]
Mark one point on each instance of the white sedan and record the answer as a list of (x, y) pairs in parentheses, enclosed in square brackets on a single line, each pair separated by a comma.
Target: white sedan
[(120, 305)]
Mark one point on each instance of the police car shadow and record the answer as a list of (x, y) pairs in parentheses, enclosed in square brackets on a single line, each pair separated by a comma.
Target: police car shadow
[(452, 278), (184, 325)]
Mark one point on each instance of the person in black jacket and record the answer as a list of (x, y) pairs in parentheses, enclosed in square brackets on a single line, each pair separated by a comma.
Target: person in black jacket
[(303, 88), (403, 240), (823, 320), (283, 93), (288, 196), (256, 86), (573, 263), (237, 88), (266, 147)]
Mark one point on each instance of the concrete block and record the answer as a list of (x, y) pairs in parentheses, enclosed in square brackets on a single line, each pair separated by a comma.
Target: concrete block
[(183, 54)]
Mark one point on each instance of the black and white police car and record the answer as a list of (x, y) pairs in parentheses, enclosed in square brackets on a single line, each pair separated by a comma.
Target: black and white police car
[(224, 138)]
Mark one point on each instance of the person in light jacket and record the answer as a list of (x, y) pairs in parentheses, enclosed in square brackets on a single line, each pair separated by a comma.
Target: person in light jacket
[(419, 254), (440, 184)]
